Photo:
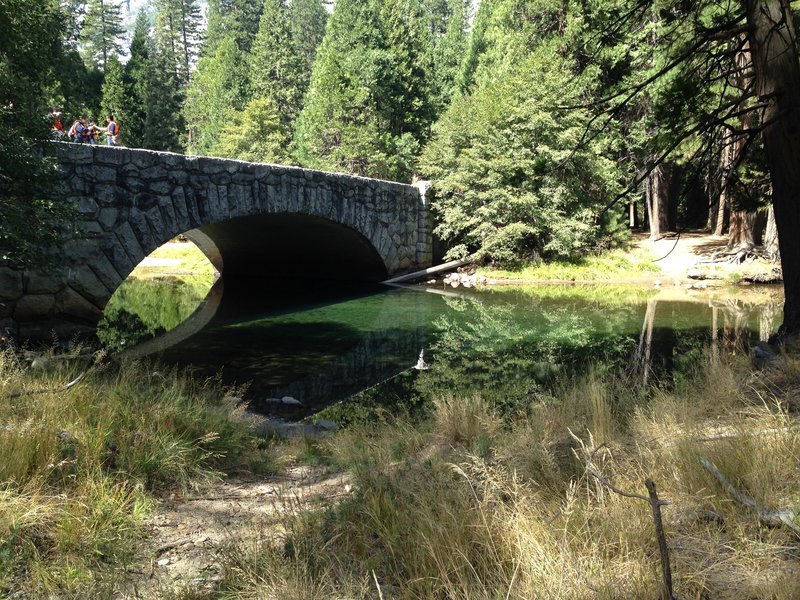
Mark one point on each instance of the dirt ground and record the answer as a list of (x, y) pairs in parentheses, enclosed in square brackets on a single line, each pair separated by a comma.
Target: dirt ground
[(696, 256), (187, 532)]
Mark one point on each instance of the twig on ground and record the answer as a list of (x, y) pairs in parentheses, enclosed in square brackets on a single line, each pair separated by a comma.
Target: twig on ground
[(172, 545), (774, 518), (655, 506), (48, 390)]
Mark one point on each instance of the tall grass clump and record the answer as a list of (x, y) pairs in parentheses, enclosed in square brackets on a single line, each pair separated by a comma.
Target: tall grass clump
[(484, 507), (79, 467)]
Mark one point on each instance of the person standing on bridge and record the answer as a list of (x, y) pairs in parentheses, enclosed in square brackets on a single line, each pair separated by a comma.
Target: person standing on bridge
[(112, 131)]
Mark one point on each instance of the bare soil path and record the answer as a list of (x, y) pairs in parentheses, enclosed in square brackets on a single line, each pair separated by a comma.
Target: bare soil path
[(691, 255), (187, 532)]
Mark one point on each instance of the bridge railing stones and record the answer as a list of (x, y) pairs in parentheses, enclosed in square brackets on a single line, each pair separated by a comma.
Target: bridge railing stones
[(131, 201)]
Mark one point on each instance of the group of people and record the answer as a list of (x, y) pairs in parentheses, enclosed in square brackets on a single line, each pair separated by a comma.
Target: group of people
[(83, 132)]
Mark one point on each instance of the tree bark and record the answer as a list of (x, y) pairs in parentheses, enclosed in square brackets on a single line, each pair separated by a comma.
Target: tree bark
[(657, 195), (742, 228), (742, 222), (777, 82), (771, 236)]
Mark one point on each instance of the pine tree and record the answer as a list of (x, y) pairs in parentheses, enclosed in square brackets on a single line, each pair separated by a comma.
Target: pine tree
[(101, 32), (164, 124), (282, 55), (114, 92), (255, 134), (406, 81), (513, 180), (180, 22), (448, 22), (133, 111), (238, 19), (216, 90), (476, 46), (308, 19), (368, 105), (274, 68)]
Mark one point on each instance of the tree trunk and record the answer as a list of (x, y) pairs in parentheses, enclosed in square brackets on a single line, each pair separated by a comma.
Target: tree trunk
[(633, 216), (742, 222), (741, 233), (771, 236), (777, 81), (657, 188)]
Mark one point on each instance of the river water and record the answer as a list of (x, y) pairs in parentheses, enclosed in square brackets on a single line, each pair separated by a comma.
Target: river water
[(302, 350)]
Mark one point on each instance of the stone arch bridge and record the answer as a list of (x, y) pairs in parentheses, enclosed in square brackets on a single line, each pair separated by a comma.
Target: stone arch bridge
[(255, 222)]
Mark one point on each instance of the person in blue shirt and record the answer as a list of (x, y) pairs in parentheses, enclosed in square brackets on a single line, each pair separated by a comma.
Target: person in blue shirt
[(112, 131), (81, 131)]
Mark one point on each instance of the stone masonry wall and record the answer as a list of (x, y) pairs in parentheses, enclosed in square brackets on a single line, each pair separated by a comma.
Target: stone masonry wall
[(132, 201)]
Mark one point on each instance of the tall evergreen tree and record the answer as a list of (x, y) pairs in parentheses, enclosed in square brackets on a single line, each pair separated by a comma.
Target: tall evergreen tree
[(113, 91), (282, 55), (238, 19), (180, 22), (133, 112), (512, 178), (164, 124), (308, 19), (218, 88), (476, 46), (368, 106), (448, 22), (254, 134), (101, 32)]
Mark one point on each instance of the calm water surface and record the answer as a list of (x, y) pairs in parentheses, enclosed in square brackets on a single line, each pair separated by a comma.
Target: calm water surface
[(322, 348)]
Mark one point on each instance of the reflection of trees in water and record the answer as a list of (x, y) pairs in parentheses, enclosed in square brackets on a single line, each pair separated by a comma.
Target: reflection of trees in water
[(506, 352), (142, 309), (662, 351)]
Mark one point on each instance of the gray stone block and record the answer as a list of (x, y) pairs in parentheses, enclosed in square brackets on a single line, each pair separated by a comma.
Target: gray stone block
[(34, 306), (153, 173), (108, 217), (90, 229), (119, 258), (140, 226), (86, 206), (71, 303), (10, 284), (103, 174), (142, 159), (85, 282), (129, 242), (106, 272), (112, 155)]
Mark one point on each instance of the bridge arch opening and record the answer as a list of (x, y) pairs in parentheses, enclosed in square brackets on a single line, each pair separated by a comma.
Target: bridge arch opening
[(260, 251), (266, 262)]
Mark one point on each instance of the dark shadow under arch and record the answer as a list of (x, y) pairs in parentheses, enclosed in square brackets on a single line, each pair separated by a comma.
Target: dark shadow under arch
[(256, 249)]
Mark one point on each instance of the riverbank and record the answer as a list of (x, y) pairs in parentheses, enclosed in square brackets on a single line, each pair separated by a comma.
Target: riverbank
[(679, 260)]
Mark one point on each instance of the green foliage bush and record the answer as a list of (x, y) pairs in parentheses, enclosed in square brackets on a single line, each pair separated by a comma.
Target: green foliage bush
[(512, 178)]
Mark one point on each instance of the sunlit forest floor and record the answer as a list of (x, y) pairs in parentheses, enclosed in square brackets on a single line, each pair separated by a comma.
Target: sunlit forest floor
[(687, 259)]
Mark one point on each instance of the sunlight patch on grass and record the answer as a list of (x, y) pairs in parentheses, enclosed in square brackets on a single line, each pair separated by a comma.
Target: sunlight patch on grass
[(610, 266)]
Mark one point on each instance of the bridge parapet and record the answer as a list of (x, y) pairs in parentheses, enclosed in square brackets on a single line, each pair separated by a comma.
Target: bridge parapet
[(131, 201)]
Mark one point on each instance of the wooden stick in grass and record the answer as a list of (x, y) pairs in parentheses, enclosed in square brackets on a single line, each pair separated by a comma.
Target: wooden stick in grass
[(774, 518), (655, 506)]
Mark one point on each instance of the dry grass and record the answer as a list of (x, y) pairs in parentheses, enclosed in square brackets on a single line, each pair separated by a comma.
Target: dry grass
[(479, 509), (79, 467)]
